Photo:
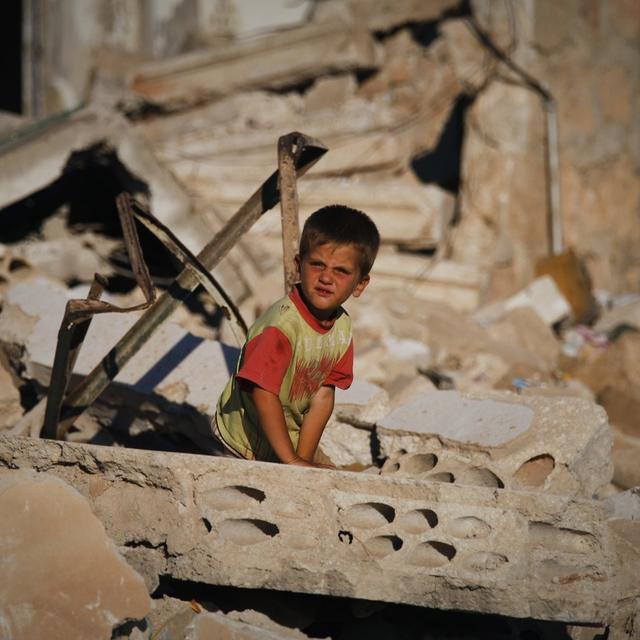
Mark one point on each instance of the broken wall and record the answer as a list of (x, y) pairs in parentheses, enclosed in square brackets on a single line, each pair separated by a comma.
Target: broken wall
[(588, 56)]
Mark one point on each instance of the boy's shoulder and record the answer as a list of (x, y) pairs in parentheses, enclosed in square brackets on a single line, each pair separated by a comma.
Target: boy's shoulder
[(281, 313), (290, 315)]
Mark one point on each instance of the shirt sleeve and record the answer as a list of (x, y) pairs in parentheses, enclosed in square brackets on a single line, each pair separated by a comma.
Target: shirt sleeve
[(266, 359), (341, 375)]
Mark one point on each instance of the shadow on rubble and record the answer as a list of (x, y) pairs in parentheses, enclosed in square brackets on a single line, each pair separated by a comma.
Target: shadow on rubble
[(442, 164), (139, 417), (85, 197), (339, 618)]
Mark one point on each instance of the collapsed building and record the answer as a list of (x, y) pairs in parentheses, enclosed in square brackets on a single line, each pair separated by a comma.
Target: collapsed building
[(493, 422)]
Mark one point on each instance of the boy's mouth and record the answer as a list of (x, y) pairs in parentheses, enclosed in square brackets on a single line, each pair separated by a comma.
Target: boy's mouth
[(321, 291)]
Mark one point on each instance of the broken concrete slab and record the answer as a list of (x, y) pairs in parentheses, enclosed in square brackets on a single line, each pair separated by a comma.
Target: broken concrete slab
[(624, 505), (176, 372), (542, 295), (62, 577), (612, 373), (273, 61), (622, 315), (624, 456), (362, 404), (10, 406), (457, 285), (500, 439), (380, 15), (412, 215), (347, 446), (224, 521), (38, 156), (471, 61), (239, 626), (524, 328)]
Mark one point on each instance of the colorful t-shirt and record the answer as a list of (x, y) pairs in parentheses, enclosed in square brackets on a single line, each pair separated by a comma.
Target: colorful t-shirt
[(289, 353)]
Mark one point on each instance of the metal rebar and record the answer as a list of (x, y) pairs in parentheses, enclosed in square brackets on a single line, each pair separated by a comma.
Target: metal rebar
[(71, 335), (264, 198), (288, 209)]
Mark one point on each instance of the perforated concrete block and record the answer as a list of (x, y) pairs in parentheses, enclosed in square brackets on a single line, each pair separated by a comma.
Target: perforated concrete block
[(395, 539), (557, 445)]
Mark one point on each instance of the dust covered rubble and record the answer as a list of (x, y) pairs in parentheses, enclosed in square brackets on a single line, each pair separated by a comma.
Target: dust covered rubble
[(227, 522), (464, 323)]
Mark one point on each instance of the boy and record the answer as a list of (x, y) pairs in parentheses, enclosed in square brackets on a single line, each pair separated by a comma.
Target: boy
[(277, 404)]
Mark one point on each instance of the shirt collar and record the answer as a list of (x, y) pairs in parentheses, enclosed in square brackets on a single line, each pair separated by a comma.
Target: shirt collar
[(311, 320)]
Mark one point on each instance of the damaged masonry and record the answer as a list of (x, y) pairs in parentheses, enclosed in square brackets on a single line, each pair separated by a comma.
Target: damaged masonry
[(151, 194)]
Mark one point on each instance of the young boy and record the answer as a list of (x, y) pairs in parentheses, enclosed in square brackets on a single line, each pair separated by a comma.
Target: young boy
[(277, 404)]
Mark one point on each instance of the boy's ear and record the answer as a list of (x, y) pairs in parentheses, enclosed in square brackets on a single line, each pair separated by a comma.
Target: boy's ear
[(361, 286)]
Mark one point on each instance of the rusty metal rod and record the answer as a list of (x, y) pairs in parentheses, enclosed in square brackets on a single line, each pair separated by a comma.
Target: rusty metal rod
[(71, 335), (264, 198), (289, 209)]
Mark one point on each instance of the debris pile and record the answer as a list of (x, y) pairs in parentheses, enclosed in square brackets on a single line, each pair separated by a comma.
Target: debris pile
[(493, 421)]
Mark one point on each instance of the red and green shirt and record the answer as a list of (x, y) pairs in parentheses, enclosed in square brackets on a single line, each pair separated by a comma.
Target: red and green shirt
[(289, 353)]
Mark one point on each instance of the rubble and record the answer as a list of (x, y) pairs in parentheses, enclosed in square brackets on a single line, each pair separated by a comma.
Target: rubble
[(472, 498), (10, 405), (174, 374), (269, 61), (62, 576), (392, 539), (556, 445)]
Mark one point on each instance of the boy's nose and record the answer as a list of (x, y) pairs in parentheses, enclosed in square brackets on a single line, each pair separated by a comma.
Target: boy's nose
[(325, 276)]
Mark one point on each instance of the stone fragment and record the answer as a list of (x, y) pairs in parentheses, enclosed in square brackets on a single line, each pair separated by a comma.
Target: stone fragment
[(470, 59), (624, 505), (272, 61), (73, 258), (624, 456), (542, 295), (239, 626), (362, 404), (40, 155), (524, 328), (397, 539), (460, 286), (503, 186), (405, 387), (557, 445), (613, 374), (330, 92), (62, 576), (620, 315), (10, 405), (347, 445), (380, 15)]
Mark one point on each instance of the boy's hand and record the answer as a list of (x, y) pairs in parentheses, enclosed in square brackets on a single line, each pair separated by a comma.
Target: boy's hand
[(301, 462)]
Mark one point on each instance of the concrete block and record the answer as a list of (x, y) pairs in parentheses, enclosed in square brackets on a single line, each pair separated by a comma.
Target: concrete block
[(271, 61), (62, 577), (500, 439), (362, 404), (542, 295), (395, 539)]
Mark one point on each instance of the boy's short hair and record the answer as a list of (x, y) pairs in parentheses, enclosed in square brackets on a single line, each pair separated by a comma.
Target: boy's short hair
[(344, 225)]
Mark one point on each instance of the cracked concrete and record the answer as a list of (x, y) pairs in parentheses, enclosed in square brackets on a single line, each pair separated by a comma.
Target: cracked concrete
[(396, 539)]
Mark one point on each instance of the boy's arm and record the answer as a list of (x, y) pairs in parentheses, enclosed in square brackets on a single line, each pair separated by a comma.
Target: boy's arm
[(314, 422), (272, 422)]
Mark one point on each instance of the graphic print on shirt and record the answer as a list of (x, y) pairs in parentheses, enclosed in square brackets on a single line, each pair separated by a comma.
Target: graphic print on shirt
[(309, 376)]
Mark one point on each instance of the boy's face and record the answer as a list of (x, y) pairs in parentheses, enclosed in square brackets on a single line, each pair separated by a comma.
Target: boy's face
[(329, 275)]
